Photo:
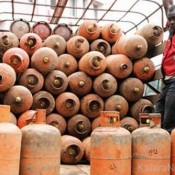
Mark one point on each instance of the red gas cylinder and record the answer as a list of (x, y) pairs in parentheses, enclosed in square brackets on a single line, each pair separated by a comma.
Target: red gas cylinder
[(19, 98), (72, 149), (7, 77), (87, 148), (30, 42), (119, 65), (13, 119), (96, 123), (105, 85), (32, 79), (148, 149), (40, 148), (16, 58), (110, 147), (42, 29), (57, 121), (93, 63), (79, 83), (56, 82), (44, 60), (10, 144), (67, 104), (67, 64)]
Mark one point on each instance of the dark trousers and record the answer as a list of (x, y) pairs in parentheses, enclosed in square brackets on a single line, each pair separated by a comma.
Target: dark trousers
[(166, 106)]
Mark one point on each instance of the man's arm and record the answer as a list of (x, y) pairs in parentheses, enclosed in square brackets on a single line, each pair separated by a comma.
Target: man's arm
[(167, 4)]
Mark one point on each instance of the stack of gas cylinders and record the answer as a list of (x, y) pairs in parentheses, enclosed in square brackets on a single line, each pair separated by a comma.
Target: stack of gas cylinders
[(74, 75)]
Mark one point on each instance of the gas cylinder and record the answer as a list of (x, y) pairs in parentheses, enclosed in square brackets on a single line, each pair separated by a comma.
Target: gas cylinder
[(93, 63), (7, 41), (56, 82), (96, 123), (132, 89), (91, 105), (151, 148), (89, 29), (7, 77), (43, 100), (129, 123), (87, 148), (102, 46), (16, 58), (133, 46), (30, 42), (119, 65), (44, 60), (72, 149), (19, 98), (31, 79), (79, 83), (172, 152), (153, 34), (111, 32), (110, 147), (67, 104), (77, 46), (57, 43), (42, 29), (40, 148), (13, 118), (67, 64), (79, 126), (63, 30), (20, 27), (57, 121), (117, 103), (10, 136), (144, 69), (141, 106), (105, 85)]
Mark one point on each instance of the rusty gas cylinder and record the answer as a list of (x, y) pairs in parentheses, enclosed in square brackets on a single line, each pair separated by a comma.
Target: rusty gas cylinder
[(43, 100), (91, 105), (32, 79), (144, 69), (63, 30), (13, 118), (132, 89), (42, 29), (119, 65), (79, 126), (10, 144), (57, 43), (148, 149), (16, 58), (77, 46), (133, 46), (93, 63), (172, 152), (20, 27), (102, 46), (7, 77), (67, 64), (89, 29), (79, 83), (153, 34), (56, 82), (110, 147), (19, 98), (57, 121), (67, 104), (105, 85), (26, 118), (72, 149), (117, 103), (44, 60), (95, 123), (111, 32), (40, 148), (7, 40), (87, 148), (129, 123), (141, 106), (30, 42)]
